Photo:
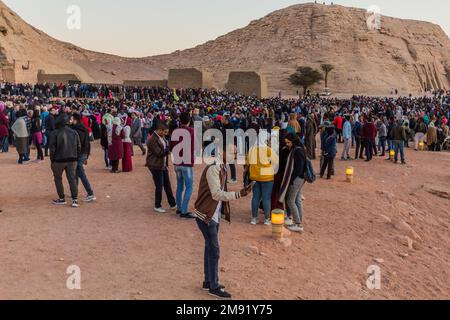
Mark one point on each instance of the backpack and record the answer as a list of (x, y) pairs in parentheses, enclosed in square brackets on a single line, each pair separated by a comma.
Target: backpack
[(310, 175)]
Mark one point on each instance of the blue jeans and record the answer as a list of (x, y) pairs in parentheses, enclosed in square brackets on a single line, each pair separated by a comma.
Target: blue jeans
[(399, 147), (262, 191), (81, 175), (212, 252), (4, 143), (185, 183), (27, 155)]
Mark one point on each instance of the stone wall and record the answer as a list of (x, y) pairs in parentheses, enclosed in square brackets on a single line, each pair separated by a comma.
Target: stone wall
[(20, 72), (190, 78), (146, 83), (57, 78), (247, 83)]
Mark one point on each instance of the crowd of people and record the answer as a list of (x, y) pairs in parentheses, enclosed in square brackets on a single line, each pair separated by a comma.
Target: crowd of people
[(61, 121)]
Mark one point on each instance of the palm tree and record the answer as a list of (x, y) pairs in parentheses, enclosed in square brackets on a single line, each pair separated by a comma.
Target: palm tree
[(327, 68), (305, 77)]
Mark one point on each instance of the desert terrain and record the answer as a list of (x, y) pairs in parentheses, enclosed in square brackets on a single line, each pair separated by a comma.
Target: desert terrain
[(396, 217), (407, 55)]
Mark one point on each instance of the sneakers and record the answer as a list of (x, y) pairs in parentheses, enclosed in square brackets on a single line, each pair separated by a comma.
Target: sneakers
[(254, 222), (175, 207), (207, 288), (267, 222), (160, 210), (75, 204), (232, 181), (296, 228), (288, 221), (187, 216), (60, 202), (89, 199), (219, 293)]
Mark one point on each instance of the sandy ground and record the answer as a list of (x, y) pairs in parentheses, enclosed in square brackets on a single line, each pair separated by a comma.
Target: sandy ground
[(125, 251)]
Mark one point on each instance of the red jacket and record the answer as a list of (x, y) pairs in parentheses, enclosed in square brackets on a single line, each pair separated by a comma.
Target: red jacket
[(338, 122), (369, 131)]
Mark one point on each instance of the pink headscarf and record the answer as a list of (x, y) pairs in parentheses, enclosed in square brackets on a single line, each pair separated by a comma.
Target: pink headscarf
[(2, 107)]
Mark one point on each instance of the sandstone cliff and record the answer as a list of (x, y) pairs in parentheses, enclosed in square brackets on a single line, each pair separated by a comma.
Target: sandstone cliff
[(404, 54)]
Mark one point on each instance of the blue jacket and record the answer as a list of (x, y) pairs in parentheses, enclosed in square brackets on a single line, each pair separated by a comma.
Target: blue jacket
[(347, 130), (330, 146)]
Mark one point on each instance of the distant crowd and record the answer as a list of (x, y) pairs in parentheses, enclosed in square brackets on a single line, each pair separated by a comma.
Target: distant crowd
[(62, 121)]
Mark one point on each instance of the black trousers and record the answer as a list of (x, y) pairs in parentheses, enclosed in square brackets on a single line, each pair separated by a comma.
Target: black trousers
[(115, 165), (360, 147), (162, 180), (369, 149), (328, 162), (210, 233)]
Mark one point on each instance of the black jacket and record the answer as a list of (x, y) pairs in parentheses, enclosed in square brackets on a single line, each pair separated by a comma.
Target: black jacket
[(64, 145), (83, 134), (299, 164)]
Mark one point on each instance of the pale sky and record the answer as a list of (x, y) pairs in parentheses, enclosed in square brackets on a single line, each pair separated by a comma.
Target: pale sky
[(137, 28)]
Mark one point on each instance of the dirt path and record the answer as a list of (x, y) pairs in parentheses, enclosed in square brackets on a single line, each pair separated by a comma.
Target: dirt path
[(125, 251)]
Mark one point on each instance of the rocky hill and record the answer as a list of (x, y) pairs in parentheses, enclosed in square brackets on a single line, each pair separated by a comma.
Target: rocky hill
[(404, 54)]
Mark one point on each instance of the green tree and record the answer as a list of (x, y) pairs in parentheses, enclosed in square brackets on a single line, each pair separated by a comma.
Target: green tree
[(305, 77), (327, 68)]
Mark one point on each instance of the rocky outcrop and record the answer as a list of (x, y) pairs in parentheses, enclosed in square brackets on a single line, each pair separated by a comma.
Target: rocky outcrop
[(407, 55)]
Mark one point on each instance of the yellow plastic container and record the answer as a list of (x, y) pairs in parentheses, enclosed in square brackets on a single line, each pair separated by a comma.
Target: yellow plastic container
[(350, 174), (277, 223)]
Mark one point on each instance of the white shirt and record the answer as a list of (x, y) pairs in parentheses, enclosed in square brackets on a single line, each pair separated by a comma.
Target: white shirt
[(218, 213)]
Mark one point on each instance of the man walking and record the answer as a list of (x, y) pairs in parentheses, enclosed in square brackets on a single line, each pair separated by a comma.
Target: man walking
[(136, 133), (65, 149), (213, 202), (347, 134), (399, 137), (83, 134), (369, 134), (184, 164), (158, 163)]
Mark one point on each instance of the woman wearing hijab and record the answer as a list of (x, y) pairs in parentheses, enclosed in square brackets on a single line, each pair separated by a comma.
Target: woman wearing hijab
[(4, 129), (115, 144), (20, 131), (293, 124), (127, 161), (262, 163)]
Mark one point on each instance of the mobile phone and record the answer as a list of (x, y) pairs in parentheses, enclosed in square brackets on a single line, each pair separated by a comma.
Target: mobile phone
[(250, 185)]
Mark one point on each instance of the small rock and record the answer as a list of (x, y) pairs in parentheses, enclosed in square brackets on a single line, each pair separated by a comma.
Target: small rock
[(403, 255), (61, 259), (263, 254), (222, 269), (378, 260), (253, 250), (386, 218), (401, 225), (406, 241), (286, 242)]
